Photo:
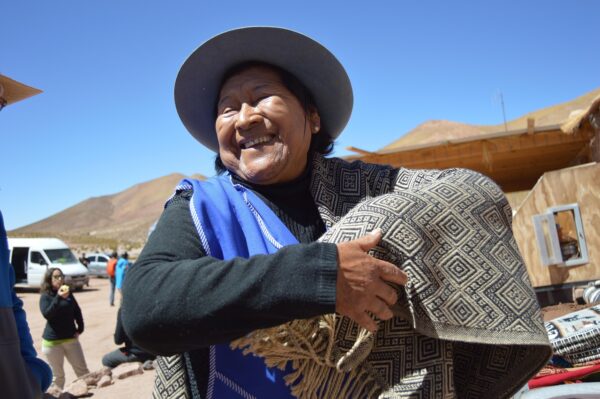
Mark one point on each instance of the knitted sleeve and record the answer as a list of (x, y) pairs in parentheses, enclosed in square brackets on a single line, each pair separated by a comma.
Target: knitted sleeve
[(178, 299)]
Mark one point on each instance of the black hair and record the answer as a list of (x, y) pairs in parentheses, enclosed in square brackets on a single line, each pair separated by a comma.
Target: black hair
[(46, 287), (321, 142)]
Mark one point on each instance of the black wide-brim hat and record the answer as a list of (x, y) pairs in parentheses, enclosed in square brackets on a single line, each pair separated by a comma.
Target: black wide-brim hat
[(198, 81)]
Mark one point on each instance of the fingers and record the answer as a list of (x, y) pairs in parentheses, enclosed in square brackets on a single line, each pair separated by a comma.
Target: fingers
[(365, 321), (380, 309), (389, 272), (362, 289), (368, 241), (386, 293)]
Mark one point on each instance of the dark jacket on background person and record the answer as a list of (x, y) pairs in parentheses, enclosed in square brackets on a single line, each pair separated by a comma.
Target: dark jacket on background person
[(121, 338), (63, 316)]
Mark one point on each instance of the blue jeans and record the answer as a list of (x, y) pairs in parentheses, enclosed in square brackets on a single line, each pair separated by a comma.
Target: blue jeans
[(111, 298)]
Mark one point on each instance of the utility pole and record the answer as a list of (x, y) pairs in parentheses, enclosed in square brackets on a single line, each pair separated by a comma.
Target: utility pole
[(503, 112)]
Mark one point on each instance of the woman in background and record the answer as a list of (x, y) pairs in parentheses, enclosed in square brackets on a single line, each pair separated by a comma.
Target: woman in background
[(63, 327)]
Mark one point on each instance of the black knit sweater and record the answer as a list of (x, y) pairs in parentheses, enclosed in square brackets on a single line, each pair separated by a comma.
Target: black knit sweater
[(177, 299), (63, 316)]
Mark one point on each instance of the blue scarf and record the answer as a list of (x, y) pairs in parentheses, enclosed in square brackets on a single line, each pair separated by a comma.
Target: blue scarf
[(232, 221)]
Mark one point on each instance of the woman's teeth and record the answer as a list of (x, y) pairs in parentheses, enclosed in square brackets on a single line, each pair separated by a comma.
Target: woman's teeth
[(256, 141)]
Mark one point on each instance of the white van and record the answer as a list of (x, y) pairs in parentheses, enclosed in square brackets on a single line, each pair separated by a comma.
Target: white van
[(31, 257)]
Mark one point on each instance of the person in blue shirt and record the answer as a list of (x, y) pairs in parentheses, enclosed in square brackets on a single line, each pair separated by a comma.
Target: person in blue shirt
[(120, 270), (22, 374)]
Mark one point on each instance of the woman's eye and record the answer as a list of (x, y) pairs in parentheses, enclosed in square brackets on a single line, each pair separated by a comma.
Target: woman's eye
[(227, 111), (261, 98)]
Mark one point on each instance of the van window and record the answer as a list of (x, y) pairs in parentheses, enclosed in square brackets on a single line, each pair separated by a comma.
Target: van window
[(61, 256), (37, 257)]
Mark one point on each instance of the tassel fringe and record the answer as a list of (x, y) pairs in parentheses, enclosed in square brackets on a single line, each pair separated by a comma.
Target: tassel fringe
[(320, 369)]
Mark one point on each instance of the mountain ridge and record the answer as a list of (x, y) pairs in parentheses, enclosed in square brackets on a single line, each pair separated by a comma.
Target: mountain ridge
[(114, 220)]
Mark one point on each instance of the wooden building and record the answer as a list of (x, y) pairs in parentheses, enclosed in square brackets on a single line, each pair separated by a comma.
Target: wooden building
[(539, 168)]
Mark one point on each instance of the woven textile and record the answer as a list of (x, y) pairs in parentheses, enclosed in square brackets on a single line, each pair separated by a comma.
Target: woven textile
[(467, 325), (576, 336), (170, 380)]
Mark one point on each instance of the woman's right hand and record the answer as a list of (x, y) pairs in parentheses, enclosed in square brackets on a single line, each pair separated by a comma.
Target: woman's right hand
[(362, 282), (63, 291)]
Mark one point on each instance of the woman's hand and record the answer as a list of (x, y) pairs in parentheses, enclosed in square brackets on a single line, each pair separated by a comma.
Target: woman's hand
[(63, 291), (362, 282)]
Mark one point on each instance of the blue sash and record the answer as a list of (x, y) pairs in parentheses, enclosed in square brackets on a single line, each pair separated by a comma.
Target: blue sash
[(232, 221)]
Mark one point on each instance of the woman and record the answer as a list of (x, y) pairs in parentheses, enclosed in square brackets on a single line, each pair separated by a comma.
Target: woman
[(239, 253), (63, 327)]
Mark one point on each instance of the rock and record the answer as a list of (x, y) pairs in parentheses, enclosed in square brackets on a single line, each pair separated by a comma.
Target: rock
[(127, 370), (66, 395), (148, 365), (77, 388), (105, 381), (54, 391), (95, 376)]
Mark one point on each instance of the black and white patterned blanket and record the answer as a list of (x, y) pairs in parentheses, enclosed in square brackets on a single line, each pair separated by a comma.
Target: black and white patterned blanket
[(468, 325)]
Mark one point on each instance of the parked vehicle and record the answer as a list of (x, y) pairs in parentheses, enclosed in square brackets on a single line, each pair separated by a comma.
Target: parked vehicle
[(97, 264), (31, 257)]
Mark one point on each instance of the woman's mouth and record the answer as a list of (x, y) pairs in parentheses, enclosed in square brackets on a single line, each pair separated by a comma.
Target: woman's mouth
[(256, 141)]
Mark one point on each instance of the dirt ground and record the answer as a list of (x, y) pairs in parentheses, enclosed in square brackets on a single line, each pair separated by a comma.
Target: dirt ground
[(99, 318), (555, 311), (97, 339)]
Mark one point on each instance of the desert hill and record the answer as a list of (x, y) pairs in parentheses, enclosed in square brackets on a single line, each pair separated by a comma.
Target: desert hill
[(440, 130), (119, 220)]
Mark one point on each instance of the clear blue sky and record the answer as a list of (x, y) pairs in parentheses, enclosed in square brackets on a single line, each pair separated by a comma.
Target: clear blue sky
[(106, 119)]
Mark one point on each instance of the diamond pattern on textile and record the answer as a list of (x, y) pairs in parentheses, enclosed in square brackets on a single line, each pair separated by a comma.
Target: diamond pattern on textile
[(350, 182), (505, 256), (493, 218), (514, 296), (446, 193), (461, 311), (453, 228), (457, 329), (450, 231), (459, 268), (402, 235), (170, 379)]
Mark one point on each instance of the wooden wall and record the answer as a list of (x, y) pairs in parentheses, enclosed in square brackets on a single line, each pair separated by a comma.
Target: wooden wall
[(515, 162), (579, 184)]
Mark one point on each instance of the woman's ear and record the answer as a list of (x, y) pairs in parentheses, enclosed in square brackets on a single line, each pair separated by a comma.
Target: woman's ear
[(314, 119)]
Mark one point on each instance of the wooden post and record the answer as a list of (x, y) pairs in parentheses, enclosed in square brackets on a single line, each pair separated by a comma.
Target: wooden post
[(530, 125), (594, 119)]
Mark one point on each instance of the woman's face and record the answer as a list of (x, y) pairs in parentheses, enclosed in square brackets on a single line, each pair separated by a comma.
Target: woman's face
[(57, 279), (263, 132)]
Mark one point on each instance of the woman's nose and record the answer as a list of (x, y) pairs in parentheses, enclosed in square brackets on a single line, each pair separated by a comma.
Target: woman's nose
[(247, 117)]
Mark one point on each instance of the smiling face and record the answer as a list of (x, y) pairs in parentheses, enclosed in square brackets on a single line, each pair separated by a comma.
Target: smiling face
[(263, 131)]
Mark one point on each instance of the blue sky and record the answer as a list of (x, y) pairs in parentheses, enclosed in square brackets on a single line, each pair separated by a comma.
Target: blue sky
[(106, 119)]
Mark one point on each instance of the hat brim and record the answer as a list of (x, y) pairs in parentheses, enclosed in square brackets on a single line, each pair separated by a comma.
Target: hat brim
[(198, 80), (12, 91)]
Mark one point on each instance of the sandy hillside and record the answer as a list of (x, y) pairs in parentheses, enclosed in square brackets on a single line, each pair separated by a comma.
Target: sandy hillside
[(97, 339)]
